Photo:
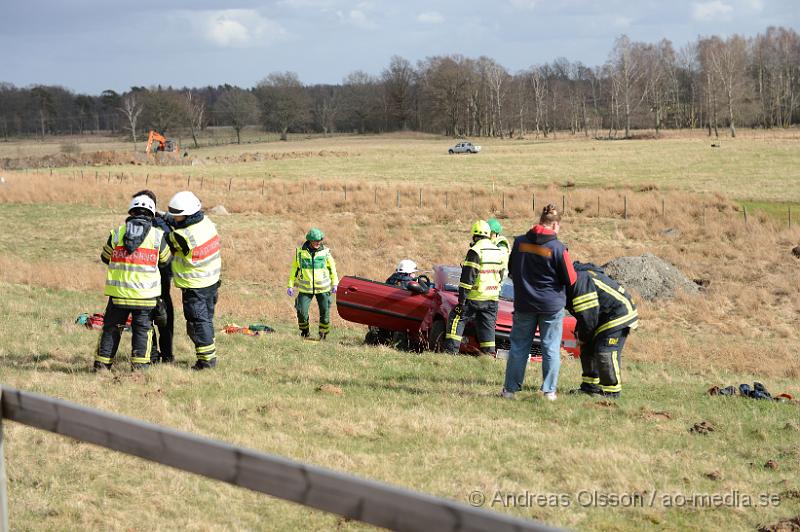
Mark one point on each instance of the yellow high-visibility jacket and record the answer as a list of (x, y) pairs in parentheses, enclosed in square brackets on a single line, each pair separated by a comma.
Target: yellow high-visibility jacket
[(313, 273)]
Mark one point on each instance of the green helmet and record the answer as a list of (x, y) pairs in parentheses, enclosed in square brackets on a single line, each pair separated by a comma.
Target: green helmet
[(495, 226), (314, 234), (481, 228)]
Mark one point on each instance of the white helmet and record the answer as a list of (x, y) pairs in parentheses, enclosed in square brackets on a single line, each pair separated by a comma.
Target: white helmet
[(184, 203), (143, 202), (406, 266)]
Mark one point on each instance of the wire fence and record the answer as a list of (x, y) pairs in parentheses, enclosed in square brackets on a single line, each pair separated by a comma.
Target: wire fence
[(271, 195), (352, 497)]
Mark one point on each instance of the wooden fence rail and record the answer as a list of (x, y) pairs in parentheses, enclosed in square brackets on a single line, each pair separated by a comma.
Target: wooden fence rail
[(369, 501)]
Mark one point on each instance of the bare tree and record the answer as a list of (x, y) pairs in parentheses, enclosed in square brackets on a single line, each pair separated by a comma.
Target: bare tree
[(728, 59), (398, 83), (131, 108), (196, 112), (628, 71), (284, 101), (239, 108), (360, 100), (496, 77)]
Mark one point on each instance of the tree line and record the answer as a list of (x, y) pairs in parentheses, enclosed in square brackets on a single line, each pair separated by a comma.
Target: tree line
[(713, 83)]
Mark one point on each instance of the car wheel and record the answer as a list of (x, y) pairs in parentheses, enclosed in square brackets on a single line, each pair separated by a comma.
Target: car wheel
[(436, 336), (451, 152)]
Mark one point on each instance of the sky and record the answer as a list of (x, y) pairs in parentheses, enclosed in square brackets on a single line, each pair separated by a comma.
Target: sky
[(89, 46)]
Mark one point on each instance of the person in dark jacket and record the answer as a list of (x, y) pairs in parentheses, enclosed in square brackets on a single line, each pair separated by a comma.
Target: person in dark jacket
[(164, 316), (541, 269), (605, 313)]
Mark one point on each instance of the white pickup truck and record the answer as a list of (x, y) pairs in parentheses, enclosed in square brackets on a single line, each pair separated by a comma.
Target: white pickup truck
[(464, 147)]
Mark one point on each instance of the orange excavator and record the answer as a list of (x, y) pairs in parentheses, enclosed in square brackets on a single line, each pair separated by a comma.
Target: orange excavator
[(156, 142)]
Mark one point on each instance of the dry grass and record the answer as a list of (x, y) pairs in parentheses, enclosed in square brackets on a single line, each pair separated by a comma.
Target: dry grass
[(743, 320), (756, 165), (420, 421)]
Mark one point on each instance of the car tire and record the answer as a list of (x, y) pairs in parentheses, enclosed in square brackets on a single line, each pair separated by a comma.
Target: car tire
[(436, 336), (451, 152)]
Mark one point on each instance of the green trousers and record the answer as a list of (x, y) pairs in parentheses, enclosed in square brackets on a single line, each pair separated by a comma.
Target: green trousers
[(303, 302)]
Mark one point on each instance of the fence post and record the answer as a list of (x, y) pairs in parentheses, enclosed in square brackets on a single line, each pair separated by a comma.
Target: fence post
[(345, 192), (745, 214), (109, 176), (420, 198), (398, 199), (445, 200), (625, 211), (376, 195), (533, 202), (563, 203), (202, 178), (189, 181), (230, 182), (790, 216), (662, 207), (503, 203), (598, 206), (3, 492)]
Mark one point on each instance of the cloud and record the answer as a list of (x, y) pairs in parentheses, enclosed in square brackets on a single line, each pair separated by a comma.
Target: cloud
[(623, 22), (430, 17), (710, 10), (523, 4), (755, 5), (235, 28), (357, 18)]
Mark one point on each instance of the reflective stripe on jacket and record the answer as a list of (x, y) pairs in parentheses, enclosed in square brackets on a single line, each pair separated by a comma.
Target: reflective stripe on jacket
[(134, 275), (200, 265), (313, 273), (481, 273), (502, 242), (599, 303)]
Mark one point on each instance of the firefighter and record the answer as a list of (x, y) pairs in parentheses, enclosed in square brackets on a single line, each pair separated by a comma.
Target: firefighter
[(499, 240), (196, 268), (314, 276), (478, 292), (605, 314), (133, 253), (164, 317)]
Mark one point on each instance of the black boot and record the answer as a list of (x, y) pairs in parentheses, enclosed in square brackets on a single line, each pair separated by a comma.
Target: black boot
[(323, 335), (139, 367), (205, 364), (99, 366), (304, 333)]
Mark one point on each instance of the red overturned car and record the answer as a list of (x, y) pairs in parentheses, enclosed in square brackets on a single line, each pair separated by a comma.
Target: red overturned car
[(423, 314)]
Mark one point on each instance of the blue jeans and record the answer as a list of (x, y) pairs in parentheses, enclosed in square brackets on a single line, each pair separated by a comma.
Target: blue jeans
[(522, 332)]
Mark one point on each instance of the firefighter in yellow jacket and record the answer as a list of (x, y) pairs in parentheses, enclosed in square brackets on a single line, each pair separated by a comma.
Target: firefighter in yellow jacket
[(478, 292), (313, 276), (196, 268), (133, 253)]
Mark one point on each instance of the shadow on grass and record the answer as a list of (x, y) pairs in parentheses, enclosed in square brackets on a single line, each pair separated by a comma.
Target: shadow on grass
[(77, 364)]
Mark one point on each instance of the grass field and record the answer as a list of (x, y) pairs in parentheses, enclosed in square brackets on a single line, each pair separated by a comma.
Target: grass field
[(427, 422)]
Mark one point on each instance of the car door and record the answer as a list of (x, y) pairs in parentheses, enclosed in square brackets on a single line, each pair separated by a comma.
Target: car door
[(381, 305)]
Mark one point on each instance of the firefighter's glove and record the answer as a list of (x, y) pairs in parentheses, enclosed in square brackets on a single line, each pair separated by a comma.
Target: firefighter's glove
[(290, 292), (458, 310), (333, 290)]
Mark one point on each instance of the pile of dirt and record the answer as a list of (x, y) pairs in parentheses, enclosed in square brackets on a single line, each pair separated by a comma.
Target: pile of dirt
[(258, 156), (650, 276), (98, 158)]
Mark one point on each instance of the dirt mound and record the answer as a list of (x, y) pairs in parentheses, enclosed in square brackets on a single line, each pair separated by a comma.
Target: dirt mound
[(259, 156), (98, 158), (650, 276)]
